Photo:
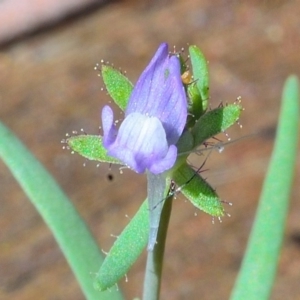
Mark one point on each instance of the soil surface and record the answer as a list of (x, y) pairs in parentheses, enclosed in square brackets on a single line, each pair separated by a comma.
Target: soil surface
[(48, 88)]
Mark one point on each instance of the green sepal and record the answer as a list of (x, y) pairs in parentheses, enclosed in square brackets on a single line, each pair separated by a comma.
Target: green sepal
[(182, 61), (90, 147), (200, 73), (195, 105), (215, 121), (197, 88), (125, 251), (118, 85), (185, 143), (198, 191)]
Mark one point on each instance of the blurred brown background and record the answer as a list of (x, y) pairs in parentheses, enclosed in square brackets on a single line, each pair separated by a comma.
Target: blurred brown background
[(48, 87)]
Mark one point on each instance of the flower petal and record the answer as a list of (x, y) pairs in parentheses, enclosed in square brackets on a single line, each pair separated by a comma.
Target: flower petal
[(108, 126), (166, 163), (159, 92), (141, 144)]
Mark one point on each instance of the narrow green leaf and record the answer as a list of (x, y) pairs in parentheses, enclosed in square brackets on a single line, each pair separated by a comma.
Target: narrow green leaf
[(125, 251), (215, 121), (128, 247), (90, 147), (259, 265), (118, 85), (68, 228), (198, 191)]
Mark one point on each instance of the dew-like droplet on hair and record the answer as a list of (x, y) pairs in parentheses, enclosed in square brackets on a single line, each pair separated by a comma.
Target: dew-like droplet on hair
[(220, 147), (127, 217)]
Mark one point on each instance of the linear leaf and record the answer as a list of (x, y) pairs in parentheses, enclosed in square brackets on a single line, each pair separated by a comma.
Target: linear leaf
[(68, 228), (259, 265)]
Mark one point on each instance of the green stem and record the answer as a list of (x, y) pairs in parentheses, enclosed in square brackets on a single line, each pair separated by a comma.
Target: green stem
[(154, 265)]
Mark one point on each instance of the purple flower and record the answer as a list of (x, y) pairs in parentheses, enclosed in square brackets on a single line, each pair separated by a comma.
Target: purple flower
[(154, 118)]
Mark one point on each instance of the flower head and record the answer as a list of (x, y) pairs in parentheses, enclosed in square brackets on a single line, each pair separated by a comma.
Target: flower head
[(154, 118)]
